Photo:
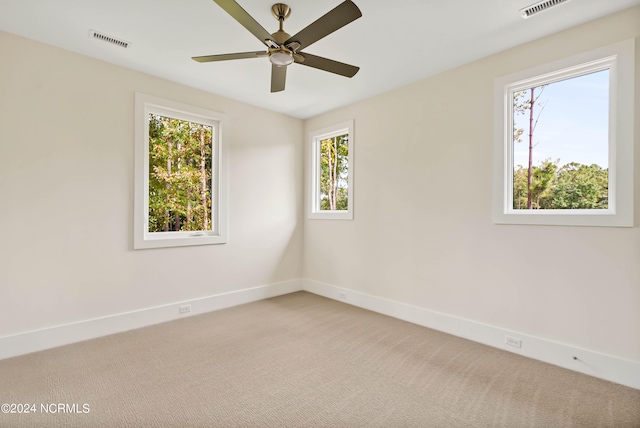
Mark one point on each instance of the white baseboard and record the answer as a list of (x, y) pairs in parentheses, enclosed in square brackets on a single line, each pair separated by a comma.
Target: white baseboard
[(51, 337), (588, 362)]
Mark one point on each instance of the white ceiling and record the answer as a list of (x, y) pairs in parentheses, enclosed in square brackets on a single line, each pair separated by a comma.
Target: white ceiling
[(394, 43)]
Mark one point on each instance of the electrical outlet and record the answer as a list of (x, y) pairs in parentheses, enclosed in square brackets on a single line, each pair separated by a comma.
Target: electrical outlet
[(342, 295), (513, 341), (184, 309)]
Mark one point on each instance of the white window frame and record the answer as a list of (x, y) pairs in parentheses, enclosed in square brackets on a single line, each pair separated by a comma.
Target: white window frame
[(145, 105), (315, 137), (619, 60)]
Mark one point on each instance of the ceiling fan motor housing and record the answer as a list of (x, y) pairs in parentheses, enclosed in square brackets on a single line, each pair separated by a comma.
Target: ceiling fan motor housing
[(280, 36)]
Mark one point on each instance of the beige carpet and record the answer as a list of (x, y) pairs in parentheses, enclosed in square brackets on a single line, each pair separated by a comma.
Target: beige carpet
[(301, 360)]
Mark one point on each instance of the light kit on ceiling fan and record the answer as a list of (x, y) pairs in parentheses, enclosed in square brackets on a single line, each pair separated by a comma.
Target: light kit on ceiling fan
[(284, 49), (281, 57)]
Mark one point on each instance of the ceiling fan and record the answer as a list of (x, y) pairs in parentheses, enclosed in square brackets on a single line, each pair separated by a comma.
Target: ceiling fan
[(284, 49)]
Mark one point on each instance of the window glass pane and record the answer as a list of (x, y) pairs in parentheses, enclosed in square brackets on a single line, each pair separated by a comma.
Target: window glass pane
[(180, 171), (561, 144), (334, 173)]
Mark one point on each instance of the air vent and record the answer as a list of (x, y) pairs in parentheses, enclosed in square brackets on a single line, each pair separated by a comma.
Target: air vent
[(109, 39), (539, 7)]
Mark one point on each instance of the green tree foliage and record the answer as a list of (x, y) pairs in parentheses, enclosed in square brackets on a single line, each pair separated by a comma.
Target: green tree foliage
[(542, 178), (180, 165), (581, 186), (334, 162), (572, 186)]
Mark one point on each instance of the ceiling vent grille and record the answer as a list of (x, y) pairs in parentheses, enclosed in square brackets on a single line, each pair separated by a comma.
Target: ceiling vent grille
[(539, 7), (94, 34)]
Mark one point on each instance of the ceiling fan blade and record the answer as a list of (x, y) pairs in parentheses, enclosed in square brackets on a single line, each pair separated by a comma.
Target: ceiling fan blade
[(333, 20), (278, 78), (226, 57), (246, 20), (326, 64)]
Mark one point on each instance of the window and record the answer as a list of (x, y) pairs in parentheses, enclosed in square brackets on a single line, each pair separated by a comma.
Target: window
[(332, 172), (564, 141), (179, 175)]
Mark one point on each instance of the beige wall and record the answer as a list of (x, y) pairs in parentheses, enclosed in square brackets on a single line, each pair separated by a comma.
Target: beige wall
[(66, 194), (423, 232)]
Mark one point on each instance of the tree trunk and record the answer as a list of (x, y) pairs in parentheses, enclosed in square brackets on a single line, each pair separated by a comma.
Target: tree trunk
[(168, 186), (203, 180), (335, 173), (330, 178), (530, 172)]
